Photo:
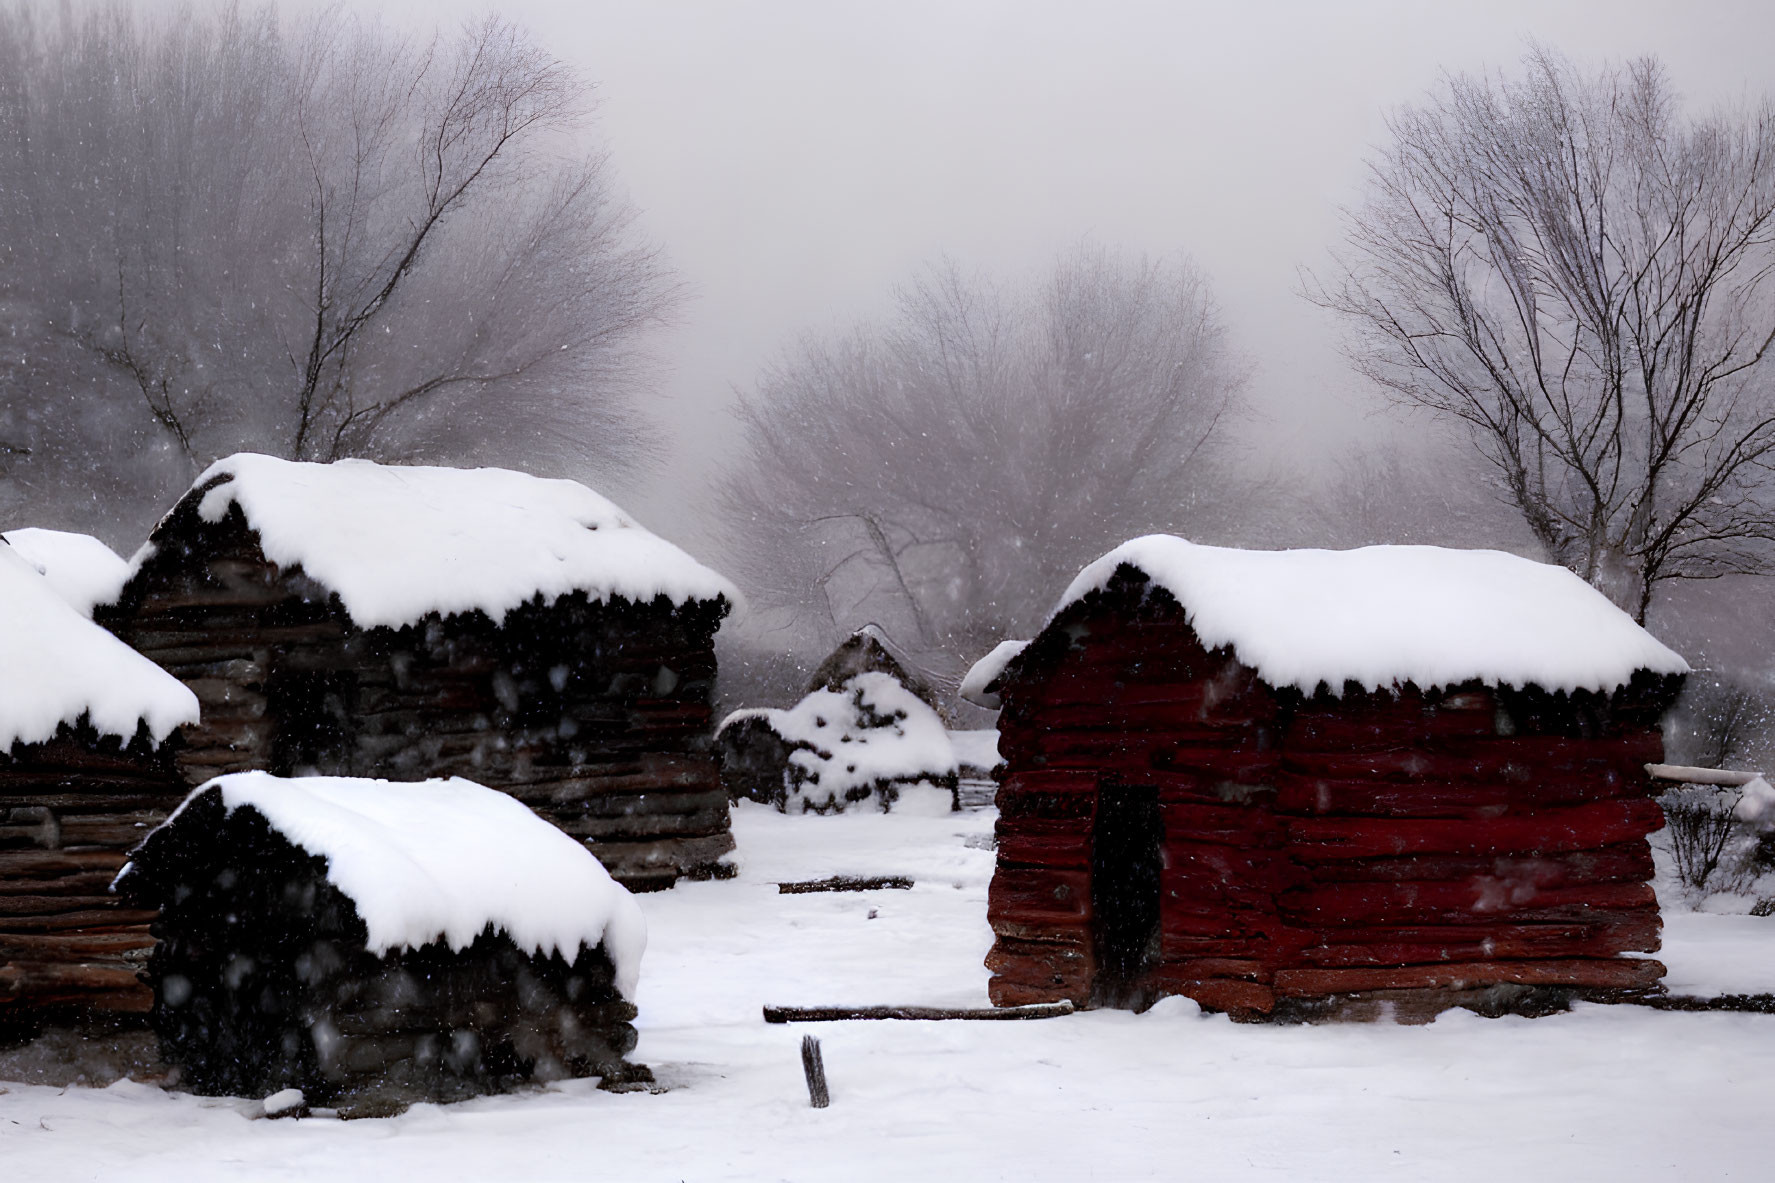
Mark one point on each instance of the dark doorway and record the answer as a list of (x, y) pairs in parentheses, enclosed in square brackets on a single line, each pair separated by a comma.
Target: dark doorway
[(1125, 860)]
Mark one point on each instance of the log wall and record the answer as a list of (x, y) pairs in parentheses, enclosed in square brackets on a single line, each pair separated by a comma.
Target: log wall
[(1317, 846), (1472, 838), (595, 714), (70, 809)]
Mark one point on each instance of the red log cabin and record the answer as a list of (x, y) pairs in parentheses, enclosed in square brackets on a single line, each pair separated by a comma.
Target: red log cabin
[(1307, 783)]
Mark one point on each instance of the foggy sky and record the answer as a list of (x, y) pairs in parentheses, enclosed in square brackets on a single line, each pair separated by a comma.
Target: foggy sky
[(797, 159)]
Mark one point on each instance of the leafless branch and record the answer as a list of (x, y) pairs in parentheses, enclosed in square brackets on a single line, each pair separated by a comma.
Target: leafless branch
[(1582, 276)]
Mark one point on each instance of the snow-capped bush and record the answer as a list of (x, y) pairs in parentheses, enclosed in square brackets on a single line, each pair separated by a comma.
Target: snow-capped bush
[(866, 740), (1718, 836)]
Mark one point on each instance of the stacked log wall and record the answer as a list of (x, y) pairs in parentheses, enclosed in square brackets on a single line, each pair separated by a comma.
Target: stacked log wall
[(595, 714), (70, 809), (207, 608), (1471, 838), (1324, 845)]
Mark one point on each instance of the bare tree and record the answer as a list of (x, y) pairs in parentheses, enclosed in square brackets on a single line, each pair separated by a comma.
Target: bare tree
[(1580, 275), (947, 472), (1719, 721), (1426, 490), (318, 240)]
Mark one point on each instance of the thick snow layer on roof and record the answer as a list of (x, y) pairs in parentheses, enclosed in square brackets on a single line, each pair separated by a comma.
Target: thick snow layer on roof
[(1385, 615), (83, 571), (443, 859), (974, 686), (56, 665), (768, 714), (396, 543)]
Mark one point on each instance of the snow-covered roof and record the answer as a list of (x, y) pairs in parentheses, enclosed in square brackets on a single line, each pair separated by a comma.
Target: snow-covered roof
[(56, 665), (1388, 615), (398, 542), (443, 859), (83, 571), (870, 649), (986, 671), (768, 714)]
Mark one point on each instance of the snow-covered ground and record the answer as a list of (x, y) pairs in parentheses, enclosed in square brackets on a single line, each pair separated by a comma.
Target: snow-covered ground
[(1612, 1093), (1712, 954)]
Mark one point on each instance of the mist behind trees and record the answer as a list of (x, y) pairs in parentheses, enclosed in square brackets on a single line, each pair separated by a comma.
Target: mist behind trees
[(316, 237), (1581, 276), (331, 237), (943, 473)]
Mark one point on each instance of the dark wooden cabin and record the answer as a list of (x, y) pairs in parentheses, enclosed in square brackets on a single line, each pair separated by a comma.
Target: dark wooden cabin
[(86, 769), (754, 757), (1307, 783), (866, 651), (311, 937), (367, 620)]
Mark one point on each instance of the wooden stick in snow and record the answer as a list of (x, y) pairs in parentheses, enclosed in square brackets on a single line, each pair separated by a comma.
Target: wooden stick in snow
[(815, 1067), (826, 1014)]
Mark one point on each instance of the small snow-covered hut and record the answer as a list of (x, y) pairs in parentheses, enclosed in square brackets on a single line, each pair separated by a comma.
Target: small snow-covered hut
[(410, 622), (754, 756), (866, 651), (870, 739), (1300, 782), (373, 943), (85, 770)]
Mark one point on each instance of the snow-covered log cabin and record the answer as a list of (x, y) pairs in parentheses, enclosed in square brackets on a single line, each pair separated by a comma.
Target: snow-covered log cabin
[(86, 769), (866, 651), (375, 943), (754, 756), (1307, 782), (410, 622)]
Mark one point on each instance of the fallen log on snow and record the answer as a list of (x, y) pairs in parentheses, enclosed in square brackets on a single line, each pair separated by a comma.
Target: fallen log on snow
[(846, 883), (828, 1014), (1756, 1004)]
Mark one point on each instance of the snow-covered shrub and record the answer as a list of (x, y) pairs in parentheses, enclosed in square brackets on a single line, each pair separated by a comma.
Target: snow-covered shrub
[(1700, 832), (867, 740), (1719, 836)]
